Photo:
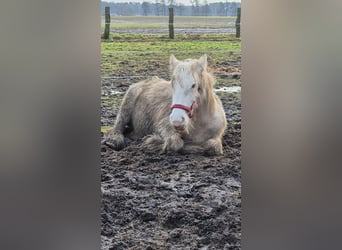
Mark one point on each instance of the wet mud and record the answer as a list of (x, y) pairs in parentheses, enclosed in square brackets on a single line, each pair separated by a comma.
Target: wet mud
[(158, 201)]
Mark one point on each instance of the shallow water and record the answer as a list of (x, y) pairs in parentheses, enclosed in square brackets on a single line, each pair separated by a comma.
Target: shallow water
[(232, 89)]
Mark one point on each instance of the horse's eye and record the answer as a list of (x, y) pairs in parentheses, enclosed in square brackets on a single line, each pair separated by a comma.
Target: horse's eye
[(193, 85)]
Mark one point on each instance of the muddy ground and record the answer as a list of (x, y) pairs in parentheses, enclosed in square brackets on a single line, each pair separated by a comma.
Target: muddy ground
[(156, 201)]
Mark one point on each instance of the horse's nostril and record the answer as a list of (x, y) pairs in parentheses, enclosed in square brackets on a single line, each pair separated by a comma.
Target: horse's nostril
[(176, 124)]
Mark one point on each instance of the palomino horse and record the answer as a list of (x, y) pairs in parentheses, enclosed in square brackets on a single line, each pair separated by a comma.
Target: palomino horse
[(183, 114)]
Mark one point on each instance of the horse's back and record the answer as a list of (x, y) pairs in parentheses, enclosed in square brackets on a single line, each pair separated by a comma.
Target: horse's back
[(152, 93), (152, 103)]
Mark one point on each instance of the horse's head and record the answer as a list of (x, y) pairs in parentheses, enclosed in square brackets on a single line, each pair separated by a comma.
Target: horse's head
[(186, 85)]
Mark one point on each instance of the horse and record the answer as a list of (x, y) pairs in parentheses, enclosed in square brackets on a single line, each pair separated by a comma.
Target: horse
[(181, 115)]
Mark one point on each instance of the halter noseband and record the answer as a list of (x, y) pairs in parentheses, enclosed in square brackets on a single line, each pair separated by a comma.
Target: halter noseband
[(190, 110)]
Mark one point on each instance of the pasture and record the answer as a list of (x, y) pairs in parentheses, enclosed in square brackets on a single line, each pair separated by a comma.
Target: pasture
[(159, 24), (170, 201)]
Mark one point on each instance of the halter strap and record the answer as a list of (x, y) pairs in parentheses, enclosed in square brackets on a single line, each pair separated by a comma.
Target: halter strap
[(190, 110)]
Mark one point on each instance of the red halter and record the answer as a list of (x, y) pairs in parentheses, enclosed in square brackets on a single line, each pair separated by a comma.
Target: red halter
[(190, 110)]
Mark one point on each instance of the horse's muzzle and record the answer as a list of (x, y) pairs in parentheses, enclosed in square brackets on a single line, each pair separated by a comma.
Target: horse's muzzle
[(179, 125)]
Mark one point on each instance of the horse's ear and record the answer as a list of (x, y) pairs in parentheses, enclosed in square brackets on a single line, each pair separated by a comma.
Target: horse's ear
[(173, 62), (203, 63)]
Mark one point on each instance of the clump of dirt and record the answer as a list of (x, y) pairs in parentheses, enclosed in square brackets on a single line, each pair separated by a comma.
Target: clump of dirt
[(173, 201), (229, 71)]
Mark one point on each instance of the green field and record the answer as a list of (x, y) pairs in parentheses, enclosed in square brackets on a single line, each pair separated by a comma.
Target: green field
[(165, 25), (132, 54)]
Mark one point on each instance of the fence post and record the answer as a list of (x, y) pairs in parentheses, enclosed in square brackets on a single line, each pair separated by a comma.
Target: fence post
[(171, 30), (107, 22), (238, 22)]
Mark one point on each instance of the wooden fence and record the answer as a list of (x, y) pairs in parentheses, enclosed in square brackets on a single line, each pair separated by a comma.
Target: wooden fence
[(107, 23), (170, 24)]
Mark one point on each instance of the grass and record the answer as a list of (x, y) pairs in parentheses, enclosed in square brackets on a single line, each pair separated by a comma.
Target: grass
[(133, 54), (110, 102), (136, 25), (105, 129), (132, 43), (165, 25), (166, 17)]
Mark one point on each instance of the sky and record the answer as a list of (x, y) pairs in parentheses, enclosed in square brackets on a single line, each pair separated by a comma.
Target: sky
[(186, 2)]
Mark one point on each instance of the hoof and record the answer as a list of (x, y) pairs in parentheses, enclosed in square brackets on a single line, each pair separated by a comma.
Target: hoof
[(214, 148), (173, 144), (153, 144), (114, 141), (212, 152)]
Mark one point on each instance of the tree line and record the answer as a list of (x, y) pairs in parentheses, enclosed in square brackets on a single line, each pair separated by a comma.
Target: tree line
[(160, 8)]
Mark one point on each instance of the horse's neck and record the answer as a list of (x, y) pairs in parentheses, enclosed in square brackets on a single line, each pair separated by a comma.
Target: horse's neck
[(207, 105)]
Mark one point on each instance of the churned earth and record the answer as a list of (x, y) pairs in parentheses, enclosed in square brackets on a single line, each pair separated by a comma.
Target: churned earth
[(172, 201), (158, 201)]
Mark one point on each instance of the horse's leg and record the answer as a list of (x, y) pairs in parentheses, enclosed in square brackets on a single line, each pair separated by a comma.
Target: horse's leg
[(192, 149), (153, 143), (115, 138), (174, 143), (213, 147), (165, 137)]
